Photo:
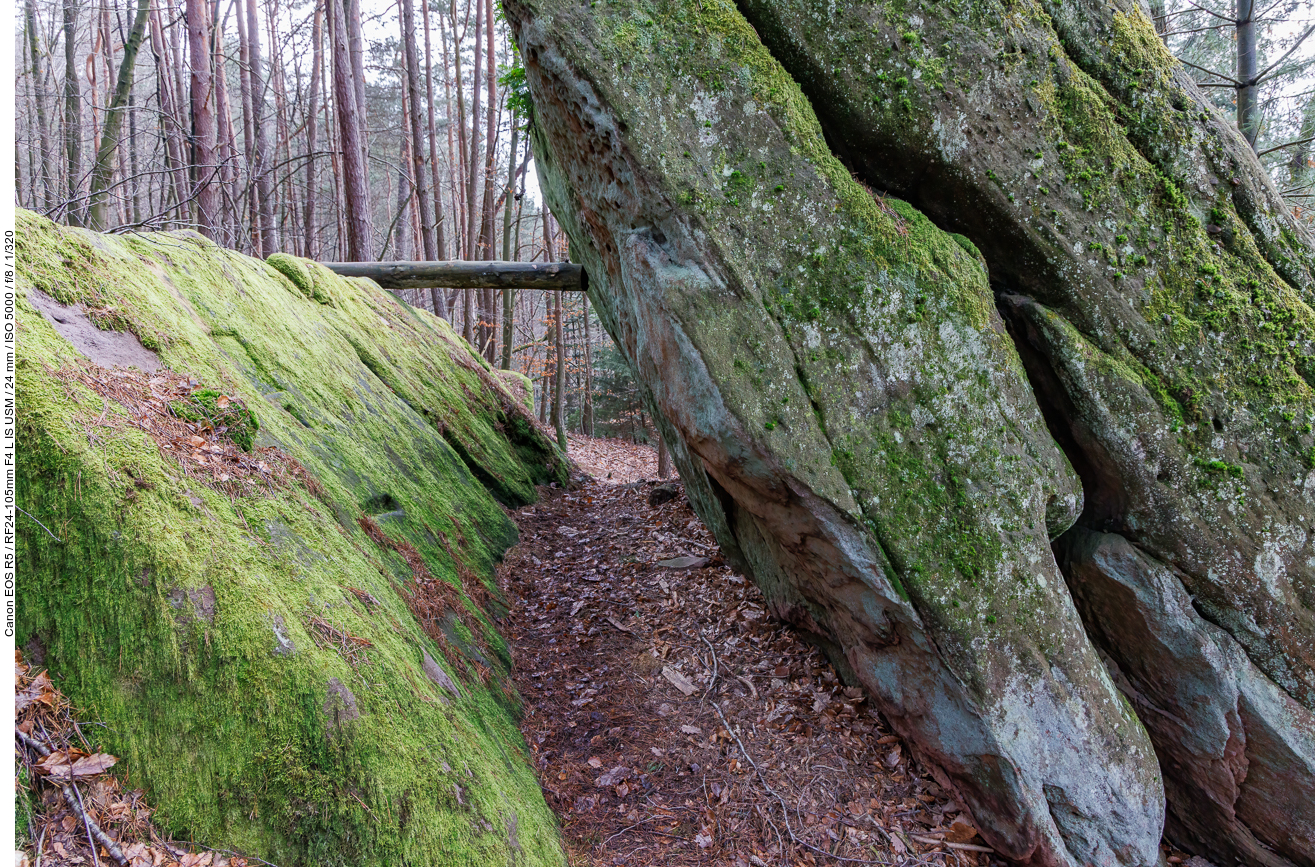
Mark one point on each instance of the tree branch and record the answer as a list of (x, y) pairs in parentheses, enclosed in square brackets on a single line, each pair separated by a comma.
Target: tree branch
[(1261, 77), (1288, 145), (1235, 82)]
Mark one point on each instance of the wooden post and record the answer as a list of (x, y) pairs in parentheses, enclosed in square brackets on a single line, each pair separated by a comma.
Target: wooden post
[(552, 276)]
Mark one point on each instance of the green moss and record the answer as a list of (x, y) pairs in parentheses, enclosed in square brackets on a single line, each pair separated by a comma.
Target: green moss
[(216, 412), (295, 271), (182, 618)]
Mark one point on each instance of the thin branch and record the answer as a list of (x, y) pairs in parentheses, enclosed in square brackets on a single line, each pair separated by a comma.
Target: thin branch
[(74, 800), (1197, 30), (1261, 77), (39, 524), (1232, 21), (1288, 145), (785, 809), (1211, 72)]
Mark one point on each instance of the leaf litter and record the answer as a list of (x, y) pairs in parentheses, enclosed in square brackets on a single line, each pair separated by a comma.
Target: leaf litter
[(69, 800), (627, 625)]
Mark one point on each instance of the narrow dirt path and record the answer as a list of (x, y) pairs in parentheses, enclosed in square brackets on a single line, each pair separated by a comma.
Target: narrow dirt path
[(653, 689)]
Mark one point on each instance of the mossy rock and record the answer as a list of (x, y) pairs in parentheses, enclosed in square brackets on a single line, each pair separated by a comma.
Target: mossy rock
[(190, 621)]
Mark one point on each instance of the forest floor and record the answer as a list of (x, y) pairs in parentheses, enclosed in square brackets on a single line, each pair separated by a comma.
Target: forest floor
[(672, 720)]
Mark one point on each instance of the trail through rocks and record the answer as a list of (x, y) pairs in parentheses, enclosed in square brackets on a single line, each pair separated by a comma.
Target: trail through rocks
[(672, 721)]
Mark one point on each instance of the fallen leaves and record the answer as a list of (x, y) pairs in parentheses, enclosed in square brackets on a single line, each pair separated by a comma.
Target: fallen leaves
[(73, 799), (605, 631), (679, 681), (200, 450), (74, 764)]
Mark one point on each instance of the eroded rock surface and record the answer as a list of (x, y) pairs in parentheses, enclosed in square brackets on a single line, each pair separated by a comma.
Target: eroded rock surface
[(1160, 293), (846, 408)]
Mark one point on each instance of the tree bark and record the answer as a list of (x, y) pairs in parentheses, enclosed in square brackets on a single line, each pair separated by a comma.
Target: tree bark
[(587, 412), (356, 184), (103, 173), (39, 98), (415, 127), (509, 294), (268, 233), (489, 314), (311, 248), (170, 126), (231, 195), (1248, 108), (440, 242), (203, 119), (548, 277), (72, 115), (664, 459)]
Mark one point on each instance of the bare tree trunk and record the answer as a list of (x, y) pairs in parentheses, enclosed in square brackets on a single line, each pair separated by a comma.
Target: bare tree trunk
[(462, 242), (402, 231), (39, 97), (356, 41), (416, 128), (472, 167), (489, 313), (268, 229), (103, 173), (509, 295), (133, 162), (356, 184), (1248, 108), (245, 91), (440, 242), (203, 118), (311, 248), (559, 343), (587, 413), (72, 114), (664, 458), (169, 114), (231, 194)]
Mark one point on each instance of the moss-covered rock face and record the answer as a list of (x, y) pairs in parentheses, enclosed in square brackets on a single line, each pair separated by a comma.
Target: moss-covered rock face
[(845, 407), (1162, 297), (273, 665)]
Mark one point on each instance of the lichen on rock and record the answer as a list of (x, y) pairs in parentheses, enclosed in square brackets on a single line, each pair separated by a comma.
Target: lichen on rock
[(845, 407)]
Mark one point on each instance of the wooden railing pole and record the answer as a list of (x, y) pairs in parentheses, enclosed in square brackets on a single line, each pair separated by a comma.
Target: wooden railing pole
[(552, 276)]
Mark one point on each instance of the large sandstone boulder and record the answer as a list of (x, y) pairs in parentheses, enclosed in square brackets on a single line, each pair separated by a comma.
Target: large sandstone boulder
[(1159, 292), (853, 421), (282, 625), (846, 408)]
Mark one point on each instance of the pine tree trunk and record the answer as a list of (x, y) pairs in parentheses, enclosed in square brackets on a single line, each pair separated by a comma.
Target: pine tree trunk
[(402, 231), (103, 172), (203, 118), (508, 255), (39, 98), (356, 186), (587, 413), (472, 167), (169, 113), (230, 194), (311, 247), (415, 127), (440, 242), (72, 115), (268, 230)]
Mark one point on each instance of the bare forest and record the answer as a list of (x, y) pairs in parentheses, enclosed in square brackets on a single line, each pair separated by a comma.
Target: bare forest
[(326, 130)]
